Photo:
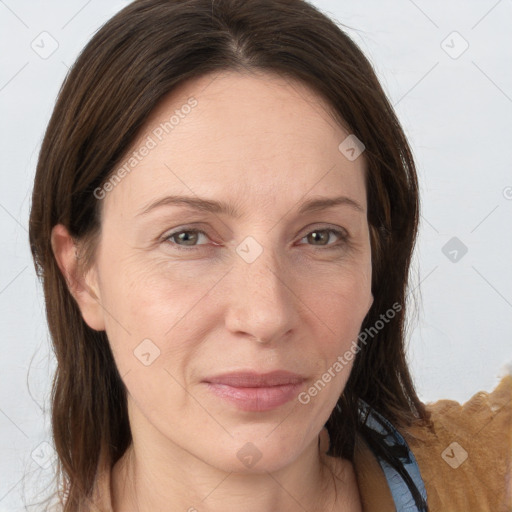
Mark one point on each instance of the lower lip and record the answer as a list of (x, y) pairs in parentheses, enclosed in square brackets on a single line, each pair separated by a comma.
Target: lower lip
[(256, 399)]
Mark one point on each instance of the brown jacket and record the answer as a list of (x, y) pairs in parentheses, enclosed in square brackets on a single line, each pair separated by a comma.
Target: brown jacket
[(465, 464)]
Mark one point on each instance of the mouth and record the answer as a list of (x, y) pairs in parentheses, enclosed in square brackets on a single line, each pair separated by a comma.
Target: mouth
[(256, 392)]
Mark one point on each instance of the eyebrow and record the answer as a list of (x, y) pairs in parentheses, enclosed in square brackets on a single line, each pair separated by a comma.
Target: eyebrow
[(219, 207)]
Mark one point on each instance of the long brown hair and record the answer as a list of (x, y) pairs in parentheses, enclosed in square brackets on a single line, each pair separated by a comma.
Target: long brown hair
[(130, 64)]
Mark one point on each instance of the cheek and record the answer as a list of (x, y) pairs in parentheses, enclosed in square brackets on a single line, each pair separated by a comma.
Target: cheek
[(152, 294), (340, 306), (161, 314), (144, 302), (342, 298)]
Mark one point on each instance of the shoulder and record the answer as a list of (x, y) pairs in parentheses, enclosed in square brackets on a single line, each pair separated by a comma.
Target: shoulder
[(465, 458)]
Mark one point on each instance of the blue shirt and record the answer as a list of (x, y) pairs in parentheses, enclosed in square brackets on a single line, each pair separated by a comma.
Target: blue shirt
[(402, 457)]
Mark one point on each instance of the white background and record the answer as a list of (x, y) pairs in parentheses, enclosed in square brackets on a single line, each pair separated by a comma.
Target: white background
[(457, 114)]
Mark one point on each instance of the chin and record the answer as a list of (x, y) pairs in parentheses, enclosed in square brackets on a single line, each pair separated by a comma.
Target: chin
[(258, 453)]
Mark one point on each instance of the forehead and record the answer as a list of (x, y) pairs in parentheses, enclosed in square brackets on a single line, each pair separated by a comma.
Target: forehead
[(258, 138)]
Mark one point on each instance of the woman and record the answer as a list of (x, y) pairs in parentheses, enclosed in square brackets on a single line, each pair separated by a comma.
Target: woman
[(223, 218)]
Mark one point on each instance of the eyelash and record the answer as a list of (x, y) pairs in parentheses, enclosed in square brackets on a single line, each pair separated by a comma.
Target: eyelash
[(343, 236)]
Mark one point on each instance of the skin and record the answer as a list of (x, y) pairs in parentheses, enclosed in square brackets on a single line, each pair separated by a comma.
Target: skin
[(264, 144)]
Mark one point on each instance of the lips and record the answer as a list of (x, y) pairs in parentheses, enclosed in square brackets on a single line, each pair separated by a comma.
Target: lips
[(256, 392), (256, 380)]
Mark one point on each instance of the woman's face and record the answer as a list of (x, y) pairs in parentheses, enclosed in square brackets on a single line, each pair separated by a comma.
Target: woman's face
[(263, 283)]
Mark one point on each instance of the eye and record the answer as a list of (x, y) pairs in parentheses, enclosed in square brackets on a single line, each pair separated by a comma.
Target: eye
[(188, 236), (187, 239), (324, 235)]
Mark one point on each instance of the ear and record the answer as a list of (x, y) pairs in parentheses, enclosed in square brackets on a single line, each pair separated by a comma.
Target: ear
[(84, 288)]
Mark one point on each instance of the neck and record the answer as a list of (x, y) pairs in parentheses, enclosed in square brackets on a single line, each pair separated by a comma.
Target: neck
[(142, 482)]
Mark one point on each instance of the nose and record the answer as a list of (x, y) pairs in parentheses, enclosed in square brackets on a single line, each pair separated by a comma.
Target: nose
[(261, 302)]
